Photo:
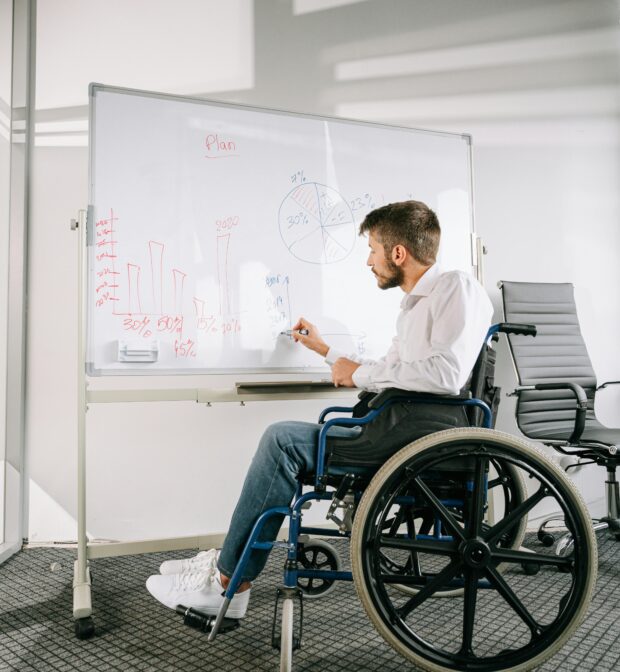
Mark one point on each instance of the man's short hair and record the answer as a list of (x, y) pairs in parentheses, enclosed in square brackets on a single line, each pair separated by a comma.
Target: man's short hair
[(410, 223)]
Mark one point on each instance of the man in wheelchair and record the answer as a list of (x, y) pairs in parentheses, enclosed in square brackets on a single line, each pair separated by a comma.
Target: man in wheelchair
[(444, 319)]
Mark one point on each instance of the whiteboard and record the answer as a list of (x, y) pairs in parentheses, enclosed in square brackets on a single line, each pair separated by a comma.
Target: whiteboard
[(212, 227)]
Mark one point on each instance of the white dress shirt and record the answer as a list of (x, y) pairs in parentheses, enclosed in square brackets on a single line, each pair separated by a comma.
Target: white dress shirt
[(439, 333)]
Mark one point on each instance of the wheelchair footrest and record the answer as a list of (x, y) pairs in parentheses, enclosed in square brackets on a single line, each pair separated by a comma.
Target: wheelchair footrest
[(204, 622)]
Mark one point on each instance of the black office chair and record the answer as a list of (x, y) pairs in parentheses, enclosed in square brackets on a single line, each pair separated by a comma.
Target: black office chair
[(557, 389)]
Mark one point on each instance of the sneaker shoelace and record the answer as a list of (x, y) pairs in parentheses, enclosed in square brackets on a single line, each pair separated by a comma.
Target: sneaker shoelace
[(204, 560), (197, 579)]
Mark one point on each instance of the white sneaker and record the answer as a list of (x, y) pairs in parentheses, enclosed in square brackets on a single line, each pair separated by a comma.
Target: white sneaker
[(201, 590), (201, 562)]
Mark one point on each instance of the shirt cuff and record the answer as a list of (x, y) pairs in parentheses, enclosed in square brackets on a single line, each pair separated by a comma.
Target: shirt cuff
[(361, 377), (332, 355)]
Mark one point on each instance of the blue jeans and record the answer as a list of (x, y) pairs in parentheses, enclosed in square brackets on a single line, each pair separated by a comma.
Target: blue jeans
[(285, 450)]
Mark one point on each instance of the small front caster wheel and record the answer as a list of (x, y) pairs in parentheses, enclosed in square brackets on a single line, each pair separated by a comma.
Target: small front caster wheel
[(84, 627), (319, 555)]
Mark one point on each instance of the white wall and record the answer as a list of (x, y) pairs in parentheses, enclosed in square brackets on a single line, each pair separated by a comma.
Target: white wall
[(546, 131)]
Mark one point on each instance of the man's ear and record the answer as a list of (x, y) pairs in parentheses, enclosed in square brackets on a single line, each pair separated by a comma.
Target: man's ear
[(399, 254)]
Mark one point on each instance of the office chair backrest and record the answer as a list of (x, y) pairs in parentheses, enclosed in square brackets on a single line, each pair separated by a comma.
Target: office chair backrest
[(557, 354)]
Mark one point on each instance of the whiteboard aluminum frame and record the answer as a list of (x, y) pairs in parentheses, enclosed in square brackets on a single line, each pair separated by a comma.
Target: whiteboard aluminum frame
[(95, 88)]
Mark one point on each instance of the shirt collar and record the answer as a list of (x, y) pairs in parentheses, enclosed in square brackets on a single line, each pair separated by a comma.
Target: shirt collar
[(423, 286)]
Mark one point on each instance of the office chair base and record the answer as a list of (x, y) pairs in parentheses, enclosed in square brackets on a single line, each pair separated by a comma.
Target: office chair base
[(566, 542)]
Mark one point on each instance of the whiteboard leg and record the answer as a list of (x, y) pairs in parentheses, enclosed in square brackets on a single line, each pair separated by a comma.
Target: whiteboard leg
[(82, 602)]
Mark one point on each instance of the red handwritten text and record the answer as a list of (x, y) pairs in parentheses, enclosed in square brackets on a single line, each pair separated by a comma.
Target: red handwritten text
[(140, 327), (219, 147)]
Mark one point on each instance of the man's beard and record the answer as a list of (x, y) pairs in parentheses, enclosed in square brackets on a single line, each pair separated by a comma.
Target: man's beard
[(394, 278)]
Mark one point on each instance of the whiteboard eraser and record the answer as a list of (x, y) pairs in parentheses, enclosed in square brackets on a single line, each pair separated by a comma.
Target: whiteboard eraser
[(138, 351)]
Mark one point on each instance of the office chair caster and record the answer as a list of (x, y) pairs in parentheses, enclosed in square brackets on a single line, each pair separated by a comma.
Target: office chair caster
[(317, 554), (545, 538), (501, 621), (530, 568), (84, 627)]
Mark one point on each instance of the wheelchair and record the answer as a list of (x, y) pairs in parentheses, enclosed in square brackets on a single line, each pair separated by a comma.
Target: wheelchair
[(436, 540)]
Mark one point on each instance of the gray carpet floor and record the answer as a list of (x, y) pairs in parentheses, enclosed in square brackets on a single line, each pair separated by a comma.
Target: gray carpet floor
[(133, 632)]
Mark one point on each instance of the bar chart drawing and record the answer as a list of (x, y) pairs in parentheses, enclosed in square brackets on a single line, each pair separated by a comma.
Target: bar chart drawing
[(316, 224), (199, 307), (178, 282), (223, 242), (134, 305), (156, 257)]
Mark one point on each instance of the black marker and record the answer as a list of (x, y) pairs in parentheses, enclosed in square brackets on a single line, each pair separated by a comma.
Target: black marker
[(290, 332)]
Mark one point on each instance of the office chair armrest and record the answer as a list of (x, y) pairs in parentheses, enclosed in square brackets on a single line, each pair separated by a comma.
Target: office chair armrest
[(609, 382), (393, 394), (582, 403), (512, 328)]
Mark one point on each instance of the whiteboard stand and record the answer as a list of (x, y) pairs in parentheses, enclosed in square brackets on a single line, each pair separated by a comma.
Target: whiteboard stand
[(311, 178), (82, 592)]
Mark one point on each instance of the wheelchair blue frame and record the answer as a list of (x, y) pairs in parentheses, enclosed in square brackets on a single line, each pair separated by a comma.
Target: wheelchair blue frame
[(291, 571)]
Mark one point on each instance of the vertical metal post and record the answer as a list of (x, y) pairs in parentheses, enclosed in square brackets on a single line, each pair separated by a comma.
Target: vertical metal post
[(82, 603), (21, 146), (611, 487)]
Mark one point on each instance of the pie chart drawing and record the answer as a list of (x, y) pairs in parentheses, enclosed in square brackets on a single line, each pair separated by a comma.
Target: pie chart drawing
[(316, 224)]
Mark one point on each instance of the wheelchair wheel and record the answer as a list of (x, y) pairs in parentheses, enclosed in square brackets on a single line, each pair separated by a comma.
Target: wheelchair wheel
[(506, 487), (286, 637), (317, 554), (503, 620)]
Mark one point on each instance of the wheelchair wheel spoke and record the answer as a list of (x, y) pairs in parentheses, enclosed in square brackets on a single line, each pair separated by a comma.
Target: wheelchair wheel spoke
[(420, 545), (444, 577), (406, 579), (469, 611), (474, 520), (513, 518), (521, 557), (511, 598), (450, 522), (398, 520)]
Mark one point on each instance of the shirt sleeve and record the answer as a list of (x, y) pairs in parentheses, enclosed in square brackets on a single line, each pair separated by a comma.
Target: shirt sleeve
[(390, 358), (460, 314)]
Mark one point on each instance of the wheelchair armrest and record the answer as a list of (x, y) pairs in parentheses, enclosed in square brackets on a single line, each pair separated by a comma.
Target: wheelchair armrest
[(334, 409), (393, 394), (582, 403), (343, 409), (609, 382)]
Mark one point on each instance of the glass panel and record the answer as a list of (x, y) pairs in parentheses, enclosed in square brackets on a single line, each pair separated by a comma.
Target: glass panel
[(6, 23)]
